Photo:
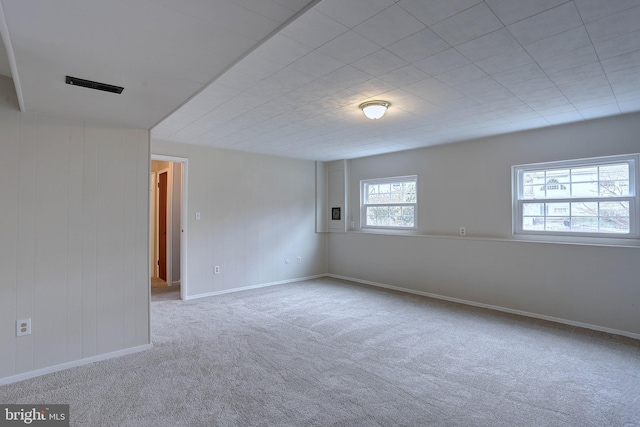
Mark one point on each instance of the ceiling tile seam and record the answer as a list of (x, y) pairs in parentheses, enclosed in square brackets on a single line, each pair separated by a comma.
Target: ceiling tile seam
[(508, 27), (384, 10), (497, 16), (535, 61), (566, 94), (341, 34), (384, 47), (607, 15), (604, 72), (294, 17), (371, 17), (269, 118), (257, 83), (531, 16), (493, 56), (201, 115), (475, 38), (443, 19), (315, 48), (195, 120)]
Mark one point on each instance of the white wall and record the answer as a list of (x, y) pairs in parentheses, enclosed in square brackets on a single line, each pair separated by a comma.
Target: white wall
[(468, 184), (256, 211), (322, 197), (337, 178), (74, 230)]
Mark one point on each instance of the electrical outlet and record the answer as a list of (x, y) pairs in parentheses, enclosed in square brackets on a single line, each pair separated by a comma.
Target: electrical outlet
[(463, 231), (216, 269), (23, 327), (299, 260)]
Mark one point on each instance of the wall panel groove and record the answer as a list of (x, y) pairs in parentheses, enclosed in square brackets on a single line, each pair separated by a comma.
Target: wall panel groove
[(70, 208)]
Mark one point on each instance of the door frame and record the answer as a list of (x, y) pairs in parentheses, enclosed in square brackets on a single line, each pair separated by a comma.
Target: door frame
[(169, 221), (183, 219), (152, 223)]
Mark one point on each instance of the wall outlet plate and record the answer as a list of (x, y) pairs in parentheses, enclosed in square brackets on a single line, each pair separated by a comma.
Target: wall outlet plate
[(216, 269), (23, 327)]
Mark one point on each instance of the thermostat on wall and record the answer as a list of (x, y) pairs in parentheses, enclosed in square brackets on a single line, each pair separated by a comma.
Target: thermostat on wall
[(335, 214)]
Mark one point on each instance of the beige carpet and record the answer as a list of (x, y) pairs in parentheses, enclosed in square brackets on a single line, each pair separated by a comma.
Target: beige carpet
[(331, 353), (157, 282)]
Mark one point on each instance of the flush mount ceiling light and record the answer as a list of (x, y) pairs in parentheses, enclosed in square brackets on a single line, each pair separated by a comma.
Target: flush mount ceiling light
[(374, 109)]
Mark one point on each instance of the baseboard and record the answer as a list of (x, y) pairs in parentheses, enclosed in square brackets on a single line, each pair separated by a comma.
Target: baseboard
[(176, 283), (492, 307), (246, 288), (75, 363)]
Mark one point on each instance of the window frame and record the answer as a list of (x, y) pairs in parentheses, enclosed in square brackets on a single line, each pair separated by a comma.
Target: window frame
[(387, 180), (633, 198)]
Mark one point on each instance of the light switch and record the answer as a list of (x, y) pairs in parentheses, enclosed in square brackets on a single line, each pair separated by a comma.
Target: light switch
[(197, 216)]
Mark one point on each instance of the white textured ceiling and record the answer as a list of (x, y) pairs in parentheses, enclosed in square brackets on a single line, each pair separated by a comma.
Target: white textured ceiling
[(452, 69), (161, 51)]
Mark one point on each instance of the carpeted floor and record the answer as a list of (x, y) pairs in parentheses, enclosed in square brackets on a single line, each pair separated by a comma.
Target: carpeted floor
[(157, 282), (330, 353)]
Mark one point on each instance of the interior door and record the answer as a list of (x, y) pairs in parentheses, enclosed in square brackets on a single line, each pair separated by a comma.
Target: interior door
[(162, 225)]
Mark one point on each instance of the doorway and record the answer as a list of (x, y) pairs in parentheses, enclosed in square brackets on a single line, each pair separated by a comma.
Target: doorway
[(167, 229)]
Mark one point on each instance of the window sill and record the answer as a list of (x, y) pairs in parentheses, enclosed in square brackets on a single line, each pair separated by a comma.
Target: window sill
[(410, 232), (518, 238), (578, 240)]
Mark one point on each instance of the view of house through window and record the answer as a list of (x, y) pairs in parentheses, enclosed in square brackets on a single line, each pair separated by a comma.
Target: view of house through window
[(389, 202), (590, 196)]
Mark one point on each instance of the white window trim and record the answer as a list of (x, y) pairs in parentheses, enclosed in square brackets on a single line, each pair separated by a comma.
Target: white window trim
[(363, 214), (634, 199)]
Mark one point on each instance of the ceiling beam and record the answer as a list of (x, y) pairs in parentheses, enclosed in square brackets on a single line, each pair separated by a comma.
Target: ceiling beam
[(4, 32)]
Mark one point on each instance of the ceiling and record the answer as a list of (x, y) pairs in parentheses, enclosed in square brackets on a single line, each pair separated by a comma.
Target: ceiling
[(285, 77), (5, 69), (160, 51)]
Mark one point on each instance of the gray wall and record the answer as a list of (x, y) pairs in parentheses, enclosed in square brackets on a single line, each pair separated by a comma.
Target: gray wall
[(256, 211), (468, 184), (74, 249)]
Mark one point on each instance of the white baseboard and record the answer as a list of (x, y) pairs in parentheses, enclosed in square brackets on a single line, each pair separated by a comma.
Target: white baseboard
[(246, 288), (492, 307), (75, 363)]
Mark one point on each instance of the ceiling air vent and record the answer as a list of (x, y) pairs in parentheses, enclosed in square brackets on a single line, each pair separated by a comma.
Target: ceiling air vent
[(93, 85)]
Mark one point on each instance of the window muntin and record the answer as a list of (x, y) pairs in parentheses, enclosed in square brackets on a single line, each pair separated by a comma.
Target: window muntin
[(593, 197), (389, 203)]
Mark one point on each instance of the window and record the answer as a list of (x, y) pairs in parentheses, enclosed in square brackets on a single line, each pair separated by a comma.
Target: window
[(590, 197), (389, 202)]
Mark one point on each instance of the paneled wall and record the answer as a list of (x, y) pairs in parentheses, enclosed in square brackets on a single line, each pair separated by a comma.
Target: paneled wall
[(469, 184), (74, 240), (256, 212), (338, 177)]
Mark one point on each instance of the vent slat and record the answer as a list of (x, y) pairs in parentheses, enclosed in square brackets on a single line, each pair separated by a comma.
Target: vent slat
[(93, 85)]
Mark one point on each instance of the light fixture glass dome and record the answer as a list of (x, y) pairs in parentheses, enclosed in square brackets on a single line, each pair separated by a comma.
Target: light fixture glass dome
[(374, 109)]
